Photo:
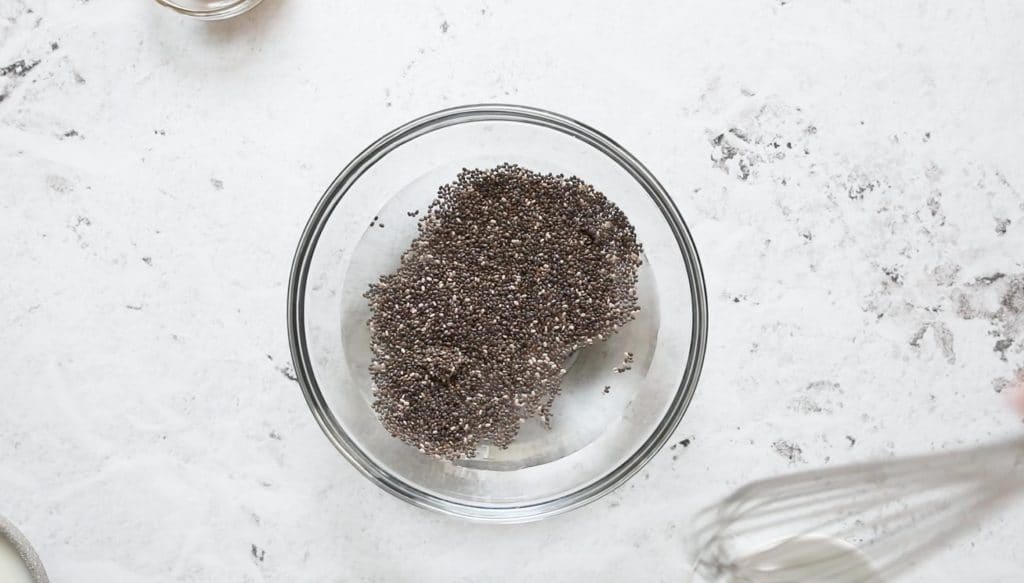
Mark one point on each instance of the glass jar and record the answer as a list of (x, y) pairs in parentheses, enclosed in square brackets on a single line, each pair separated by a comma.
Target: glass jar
[(210, 9)]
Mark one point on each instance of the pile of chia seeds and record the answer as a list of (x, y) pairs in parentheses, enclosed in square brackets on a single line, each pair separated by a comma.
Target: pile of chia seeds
[(510, 273)]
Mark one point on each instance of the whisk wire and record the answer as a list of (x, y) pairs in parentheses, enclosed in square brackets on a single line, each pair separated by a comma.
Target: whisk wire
[(893, 512)]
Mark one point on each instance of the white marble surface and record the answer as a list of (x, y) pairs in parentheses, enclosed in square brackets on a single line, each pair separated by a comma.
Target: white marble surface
[(156, 173)]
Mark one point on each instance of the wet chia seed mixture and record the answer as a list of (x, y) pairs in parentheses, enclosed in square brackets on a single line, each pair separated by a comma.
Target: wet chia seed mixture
[(510, 273)]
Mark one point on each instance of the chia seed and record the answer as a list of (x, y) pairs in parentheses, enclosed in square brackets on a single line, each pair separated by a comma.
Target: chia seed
[(510, 273), (627, 363)]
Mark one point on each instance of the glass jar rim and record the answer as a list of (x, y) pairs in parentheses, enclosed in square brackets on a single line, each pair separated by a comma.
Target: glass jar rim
[(223, 12)]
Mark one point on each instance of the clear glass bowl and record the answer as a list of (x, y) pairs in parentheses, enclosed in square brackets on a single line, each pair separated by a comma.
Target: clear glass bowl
[(598, 439), (211, 9)]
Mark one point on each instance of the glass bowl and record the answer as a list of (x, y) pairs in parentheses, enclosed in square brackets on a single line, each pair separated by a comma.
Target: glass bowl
[(210, 9), (605, 424)]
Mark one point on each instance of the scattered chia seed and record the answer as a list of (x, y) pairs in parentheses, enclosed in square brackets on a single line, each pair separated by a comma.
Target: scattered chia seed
[(511, 272), (627, 363), (685, 443)]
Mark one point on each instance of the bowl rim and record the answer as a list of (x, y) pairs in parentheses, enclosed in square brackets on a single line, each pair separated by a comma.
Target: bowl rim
[(409, 492)]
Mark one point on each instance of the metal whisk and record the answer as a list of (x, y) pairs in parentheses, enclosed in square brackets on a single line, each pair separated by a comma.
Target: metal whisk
[(857, 523)]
